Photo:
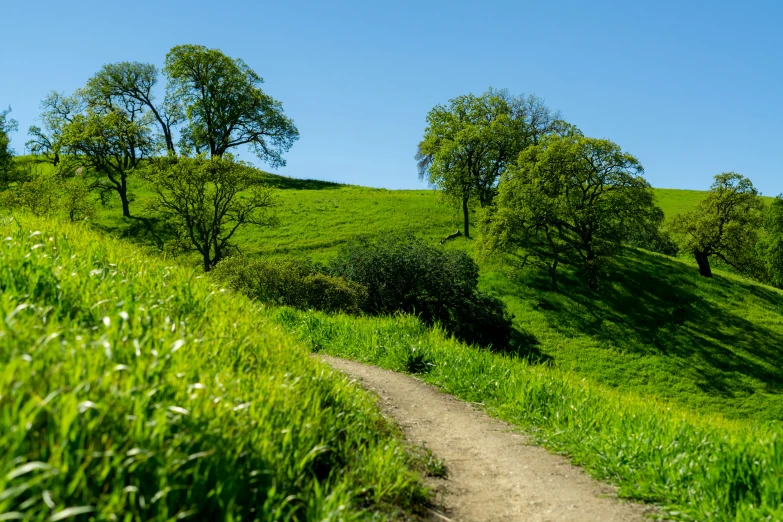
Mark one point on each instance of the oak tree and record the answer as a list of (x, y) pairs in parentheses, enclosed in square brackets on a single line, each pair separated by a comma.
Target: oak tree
[(111, 146), (570, 195), (469, 143), (208, 200), (225, 107), (724, 225), (129, 86)]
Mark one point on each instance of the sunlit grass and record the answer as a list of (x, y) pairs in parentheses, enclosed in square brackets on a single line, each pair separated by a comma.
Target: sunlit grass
[(132, 390)]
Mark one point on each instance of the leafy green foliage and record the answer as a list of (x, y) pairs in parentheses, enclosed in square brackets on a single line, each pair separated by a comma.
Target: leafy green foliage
[(770, 245), (132, 390), (39, 196), (468, 144), (207, 201), (571, 195), (291, 281), (404, 274), (225, 106), (111, 145), (725, 225), (129, 85), (7, 125)]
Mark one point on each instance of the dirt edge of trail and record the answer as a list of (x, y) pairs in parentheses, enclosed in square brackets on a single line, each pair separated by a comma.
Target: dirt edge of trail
[(493, 473)]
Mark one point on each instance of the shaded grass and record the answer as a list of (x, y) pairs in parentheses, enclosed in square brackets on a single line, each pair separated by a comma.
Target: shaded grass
[(657, 328), (695, 467), (134, 390)]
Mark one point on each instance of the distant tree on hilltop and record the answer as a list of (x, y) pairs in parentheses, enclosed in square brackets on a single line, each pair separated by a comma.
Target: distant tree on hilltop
[(725, 225), (469, 143)]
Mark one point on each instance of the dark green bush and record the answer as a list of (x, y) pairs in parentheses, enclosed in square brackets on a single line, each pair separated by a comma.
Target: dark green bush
[(291, 282), (404, 274)]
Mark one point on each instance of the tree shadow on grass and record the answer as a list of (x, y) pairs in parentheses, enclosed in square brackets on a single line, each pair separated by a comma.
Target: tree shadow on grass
[(146, 231), (283, 182), (524, 345), (653, 305)]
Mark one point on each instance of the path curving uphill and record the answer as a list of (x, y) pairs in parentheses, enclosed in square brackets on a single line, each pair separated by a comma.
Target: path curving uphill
[(493, 474)]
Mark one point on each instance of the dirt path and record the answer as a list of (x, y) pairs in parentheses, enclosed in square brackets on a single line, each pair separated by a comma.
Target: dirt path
[(493, 475)]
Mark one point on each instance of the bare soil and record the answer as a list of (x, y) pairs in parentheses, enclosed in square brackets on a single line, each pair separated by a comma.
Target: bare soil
[(493, 473)]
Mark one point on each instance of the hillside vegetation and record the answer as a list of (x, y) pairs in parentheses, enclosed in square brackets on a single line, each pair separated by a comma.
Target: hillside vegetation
[(131, 389), (655, 328)]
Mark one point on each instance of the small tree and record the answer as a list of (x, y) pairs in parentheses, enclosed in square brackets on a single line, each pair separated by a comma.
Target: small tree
[(468, 144), (725, 225), (112, 146), (57, 111), (570, 194), (208, 201), (7, 125)]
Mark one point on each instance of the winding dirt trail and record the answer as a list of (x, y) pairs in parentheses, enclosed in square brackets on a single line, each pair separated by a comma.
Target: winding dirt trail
[(493, 474)]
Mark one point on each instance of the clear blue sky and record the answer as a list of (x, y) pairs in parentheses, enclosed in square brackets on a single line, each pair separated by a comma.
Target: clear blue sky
[(691, 88)]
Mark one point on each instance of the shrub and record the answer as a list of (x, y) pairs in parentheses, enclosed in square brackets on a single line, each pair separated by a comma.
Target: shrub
[(291, 282), (40, 196), (403, 274)]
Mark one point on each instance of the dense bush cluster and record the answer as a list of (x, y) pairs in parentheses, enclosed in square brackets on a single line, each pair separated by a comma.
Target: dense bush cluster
[(291, 282), (404, 274), (49, 195), (380, 277)]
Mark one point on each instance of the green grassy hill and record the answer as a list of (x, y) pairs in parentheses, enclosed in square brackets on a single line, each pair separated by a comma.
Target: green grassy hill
[(665, 383), (131, 389), (658, 328)]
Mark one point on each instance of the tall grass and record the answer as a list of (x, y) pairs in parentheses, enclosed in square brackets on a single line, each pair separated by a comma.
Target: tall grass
[(696, 467), (130, 390)]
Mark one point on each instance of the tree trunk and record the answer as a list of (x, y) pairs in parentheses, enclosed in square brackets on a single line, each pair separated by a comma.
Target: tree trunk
[(553, 275), (704, 263), (466, 217), (123, 192), (125, 204), (207, 263), (592, 270)]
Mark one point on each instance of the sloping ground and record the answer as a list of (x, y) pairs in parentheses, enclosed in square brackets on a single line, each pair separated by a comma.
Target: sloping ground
[(132, 390), (656, 328), (493, 474)]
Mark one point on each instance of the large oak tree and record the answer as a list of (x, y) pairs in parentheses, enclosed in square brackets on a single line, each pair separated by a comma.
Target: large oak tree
[(225, 106), (570, 195)]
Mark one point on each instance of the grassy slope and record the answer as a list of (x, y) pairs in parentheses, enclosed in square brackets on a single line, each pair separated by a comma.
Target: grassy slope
[(659, 329), (695, 467), (133, 389)]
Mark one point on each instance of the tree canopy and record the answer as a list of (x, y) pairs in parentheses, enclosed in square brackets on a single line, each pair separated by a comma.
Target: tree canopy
[(224, 105), (725, 225), (7, 125), (570, 195), (111, 145), (469, 143), (129, 85)]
